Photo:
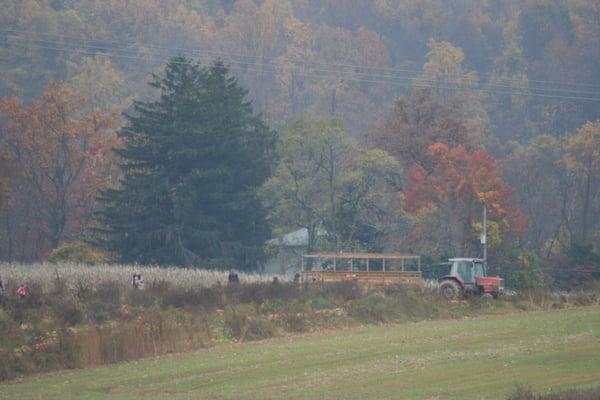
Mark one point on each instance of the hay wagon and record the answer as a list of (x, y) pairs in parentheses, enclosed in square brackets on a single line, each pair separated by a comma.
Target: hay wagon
[(367, 268)]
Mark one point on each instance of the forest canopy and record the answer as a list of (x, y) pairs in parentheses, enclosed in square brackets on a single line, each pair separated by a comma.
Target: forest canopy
[(436, 108)]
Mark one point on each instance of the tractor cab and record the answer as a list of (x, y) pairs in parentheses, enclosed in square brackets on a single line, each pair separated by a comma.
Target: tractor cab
[(469, 276), (466, 269)]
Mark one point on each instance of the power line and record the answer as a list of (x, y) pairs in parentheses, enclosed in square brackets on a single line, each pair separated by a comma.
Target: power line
[(355, 66), (512, 88), (414, 73), (273, 68)]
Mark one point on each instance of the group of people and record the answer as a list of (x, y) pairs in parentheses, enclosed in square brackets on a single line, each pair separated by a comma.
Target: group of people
[(233, 278), (137, 283), (22, 291)]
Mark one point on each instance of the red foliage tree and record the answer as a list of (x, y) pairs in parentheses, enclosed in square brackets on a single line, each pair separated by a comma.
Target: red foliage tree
[(447, 202)]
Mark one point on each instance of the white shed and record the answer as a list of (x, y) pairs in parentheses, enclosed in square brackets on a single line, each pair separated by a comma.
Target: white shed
[(285, 252)]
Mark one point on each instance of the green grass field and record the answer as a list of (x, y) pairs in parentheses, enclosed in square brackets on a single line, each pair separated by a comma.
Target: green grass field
[(451, 359)]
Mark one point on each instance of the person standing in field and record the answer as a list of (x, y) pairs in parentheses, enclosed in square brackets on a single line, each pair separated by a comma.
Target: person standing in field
[(140, 282), (233, 278), (22, 291), (1, 291)]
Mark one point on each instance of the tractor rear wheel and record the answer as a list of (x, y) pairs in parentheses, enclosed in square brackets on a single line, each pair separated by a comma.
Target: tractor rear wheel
[(450, 290)]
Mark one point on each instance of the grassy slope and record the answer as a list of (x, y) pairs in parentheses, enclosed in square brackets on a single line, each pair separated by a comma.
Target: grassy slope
[(478, 358)]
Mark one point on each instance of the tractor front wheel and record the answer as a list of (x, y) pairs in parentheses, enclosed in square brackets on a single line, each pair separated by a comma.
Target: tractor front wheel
[(487, 297), (450, 290)]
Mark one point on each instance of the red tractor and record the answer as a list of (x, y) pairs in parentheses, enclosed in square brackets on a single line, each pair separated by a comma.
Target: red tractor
[(468, 276)]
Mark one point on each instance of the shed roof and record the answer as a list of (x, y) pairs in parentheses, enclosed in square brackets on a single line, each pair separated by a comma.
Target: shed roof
[(298, 238), (363, 256)]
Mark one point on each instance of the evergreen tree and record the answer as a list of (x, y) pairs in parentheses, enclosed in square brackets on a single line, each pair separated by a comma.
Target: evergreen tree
[(192, 163)]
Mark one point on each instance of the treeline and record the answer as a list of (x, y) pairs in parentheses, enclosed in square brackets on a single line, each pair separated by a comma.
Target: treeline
[(530, 61), (384, 126)]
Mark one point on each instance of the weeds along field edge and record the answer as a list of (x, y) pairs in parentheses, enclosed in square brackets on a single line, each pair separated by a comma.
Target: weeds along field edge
[(46, 275)]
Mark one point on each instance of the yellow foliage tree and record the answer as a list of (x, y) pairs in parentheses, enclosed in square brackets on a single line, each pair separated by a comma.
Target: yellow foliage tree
[(582, 158)]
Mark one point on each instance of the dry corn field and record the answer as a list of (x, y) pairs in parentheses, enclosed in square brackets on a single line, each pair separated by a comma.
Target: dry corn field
[(45, 275)]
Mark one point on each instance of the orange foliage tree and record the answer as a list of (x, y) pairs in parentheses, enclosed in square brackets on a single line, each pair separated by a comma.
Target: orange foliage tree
[(62, 157), (417, 121), (446, 204)]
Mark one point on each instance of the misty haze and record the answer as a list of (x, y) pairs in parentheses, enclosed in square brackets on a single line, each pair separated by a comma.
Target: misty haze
[(300, 199)]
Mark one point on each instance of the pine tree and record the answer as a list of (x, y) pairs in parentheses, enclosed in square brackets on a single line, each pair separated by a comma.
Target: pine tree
[(192, 163)]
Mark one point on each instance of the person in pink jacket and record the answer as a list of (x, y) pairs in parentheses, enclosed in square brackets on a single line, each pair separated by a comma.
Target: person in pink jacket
[(22, 291)]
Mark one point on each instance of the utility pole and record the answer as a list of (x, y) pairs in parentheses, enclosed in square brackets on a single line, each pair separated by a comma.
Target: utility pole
[(484, 234), (333, 101)]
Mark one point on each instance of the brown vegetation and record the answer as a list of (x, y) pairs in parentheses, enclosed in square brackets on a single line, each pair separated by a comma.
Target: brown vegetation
[(57, 327)]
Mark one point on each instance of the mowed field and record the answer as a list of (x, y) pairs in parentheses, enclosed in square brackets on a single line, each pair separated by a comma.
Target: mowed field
[(450, 359)]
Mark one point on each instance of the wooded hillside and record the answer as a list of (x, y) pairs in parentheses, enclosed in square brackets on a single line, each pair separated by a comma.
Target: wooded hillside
[(471, 102)]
